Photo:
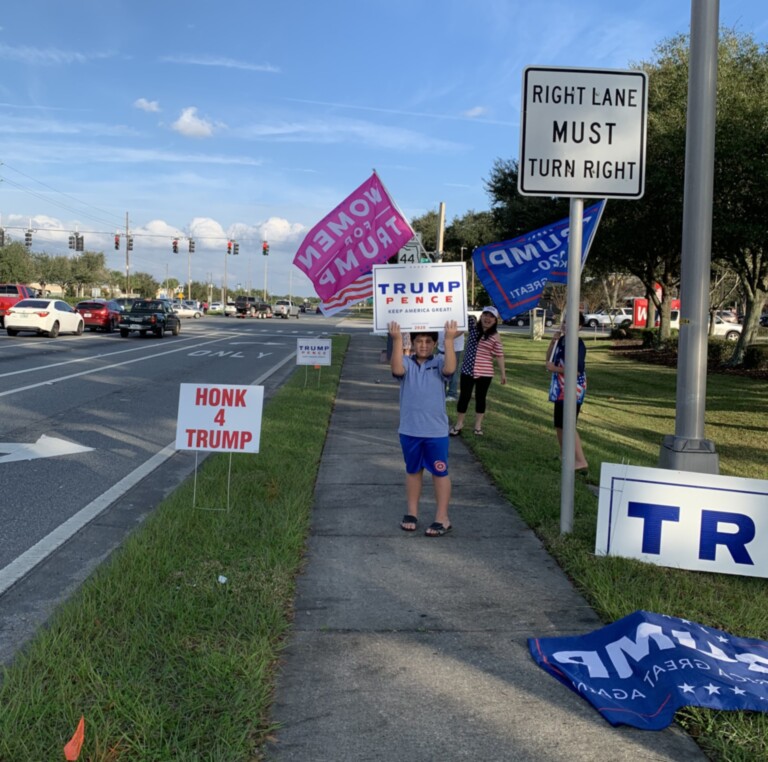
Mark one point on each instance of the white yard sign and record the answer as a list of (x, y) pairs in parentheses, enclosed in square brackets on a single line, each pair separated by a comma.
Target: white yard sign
[(583, 132), (219, 418), (313, 351), (702, 522), (419, 297)]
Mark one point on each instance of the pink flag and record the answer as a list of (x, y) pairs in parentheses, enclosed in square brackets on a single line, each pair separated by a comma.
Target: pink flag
[(364, 230)]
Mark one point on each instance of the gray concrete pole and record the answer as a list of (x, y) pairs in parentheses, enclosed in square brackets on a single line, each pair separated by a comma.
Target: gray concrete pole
[(568, 454), (687, 450)]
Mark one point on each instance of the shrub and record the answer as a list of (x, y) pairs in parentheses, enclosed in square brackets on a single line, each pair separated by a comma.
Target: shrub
[(623, 332), (719, 351), (756, 357)]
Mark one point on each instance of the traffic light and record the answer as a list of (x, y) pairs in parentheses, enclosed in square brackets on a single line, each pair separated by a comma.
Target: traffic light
[(175, 245), (229, 247), (2, 238), (28, 238), (236, 249), (79, 243), (265, 248), (72, 241), (191, 246), (130, 243), (117, 243)]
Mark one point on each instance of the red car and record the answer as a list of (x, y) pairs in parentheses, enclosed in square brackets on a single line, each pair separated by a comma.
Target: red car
[(100, 313)]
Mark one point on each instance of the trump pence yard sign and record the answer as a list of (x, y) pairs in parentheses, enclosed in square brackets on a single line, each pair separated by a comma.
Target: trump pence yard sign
[(583, 132), (219, 418)]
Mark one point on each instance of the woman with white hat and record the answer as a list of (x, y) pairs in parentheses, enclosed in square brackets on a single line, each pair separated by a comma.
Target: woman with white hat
[(482, 346)]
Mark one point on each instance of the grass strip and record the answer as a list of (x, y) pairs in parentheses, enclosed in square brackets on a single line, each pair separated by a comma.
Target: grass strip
[(629, 407), (166, 660)]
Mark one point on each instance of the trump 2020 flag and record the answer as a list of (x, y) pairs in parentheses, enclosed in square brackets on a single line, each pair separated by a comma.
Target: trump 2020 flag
[(641, 669), (364, 230), (515, 272)]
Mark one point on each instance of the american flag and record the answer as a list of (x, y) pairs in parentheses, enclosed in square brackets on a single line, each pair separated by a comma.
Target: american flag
[(355, 292)]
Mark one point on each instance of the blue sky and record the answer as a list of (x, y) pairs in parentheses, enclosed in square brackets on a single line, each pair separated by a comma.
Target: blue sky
[(251, 120)]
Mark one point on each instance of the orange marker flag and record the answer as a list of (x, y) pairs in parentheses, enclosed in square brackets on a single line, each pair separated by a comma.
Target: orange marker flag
[(72, 749)]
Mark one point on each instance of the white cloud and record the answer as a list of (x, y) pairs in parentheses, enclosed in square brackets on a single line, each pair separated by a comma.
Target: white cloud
[(345, 131), (475, 112), (191, 125), (47, 56), (227, 63), (146, 105)]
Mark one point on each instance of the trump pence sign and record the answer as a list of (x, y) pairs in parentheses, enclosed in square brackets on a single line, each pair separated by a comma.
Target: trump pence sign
[(219, 418)]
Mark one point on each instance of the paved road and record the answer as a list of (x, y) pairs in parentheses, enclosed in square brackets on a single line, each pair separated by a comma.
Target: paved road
[(116, 400)]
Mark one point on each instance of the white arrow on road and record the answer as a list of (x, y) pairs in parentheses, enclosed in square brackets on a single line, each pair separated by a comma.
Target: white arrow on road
[(45, 447)]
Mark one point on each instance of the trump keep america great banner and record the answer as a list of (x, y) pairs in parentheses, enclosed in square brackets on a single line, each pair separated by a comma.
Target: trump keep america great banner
[(641, 669)]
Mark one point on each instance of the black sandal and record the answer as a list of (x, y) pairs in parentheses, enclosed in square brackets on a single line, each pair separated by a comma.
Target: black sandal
[(437, 529), (408, 519), (454, 432)]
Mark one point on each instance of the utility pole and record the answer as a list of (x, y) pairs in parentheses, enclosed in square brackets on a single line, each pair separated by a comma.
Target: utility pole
[(440, 232), (127, 260), (687, 449)]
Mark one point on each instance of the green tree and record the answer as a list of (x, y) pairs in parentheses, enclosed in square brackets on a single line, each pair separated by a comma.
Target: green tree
[(144, 284), (16, 264), (88, 270), (740, 227), (53, 270)]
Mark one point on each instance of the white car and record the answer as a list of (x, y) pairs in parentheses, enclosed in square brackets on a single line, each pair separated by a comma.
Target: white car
[(285, 308), (728, 331), (186, 310), (230, 309), (215, 307), (621, 316), (48, 317)]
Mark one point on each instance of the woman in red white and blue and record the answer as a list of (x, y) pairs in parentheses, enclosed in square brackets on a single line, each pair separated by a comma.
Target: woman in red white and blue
[(481, 348)]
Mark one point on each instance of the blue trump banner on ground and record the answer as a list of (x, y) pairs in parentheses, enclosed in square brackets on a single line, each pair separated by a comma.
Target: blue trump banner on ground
[(641, 669), (515, 272)]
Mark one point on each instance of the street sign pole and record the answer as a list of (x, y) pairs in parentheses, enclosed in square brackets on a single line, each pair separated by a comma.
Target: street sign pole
[(567, 476), (583, 135)]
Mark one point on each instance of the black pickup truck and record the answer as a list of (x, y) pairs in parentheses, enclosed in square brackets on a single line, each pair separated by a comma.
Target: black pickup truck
[(150, 316), (250, 306)]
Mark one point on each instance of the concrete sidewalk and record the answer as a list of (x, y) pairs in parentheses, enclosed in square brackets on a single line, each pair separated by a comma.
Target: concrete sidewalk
[(412, 648)]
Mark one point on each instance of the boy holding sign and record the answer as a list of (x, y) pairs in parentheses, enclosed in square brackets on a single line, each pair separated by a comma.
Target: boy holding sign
[(423, 426)]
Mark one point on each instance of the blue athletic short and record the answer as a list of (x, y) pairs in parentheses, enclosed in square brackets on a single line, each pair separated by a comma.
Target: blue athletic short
[(425, 452)]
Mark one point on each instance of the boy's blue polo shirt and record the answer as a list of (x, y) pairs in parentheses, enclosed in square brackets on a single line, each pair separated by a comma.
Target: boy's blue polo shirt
[(422, 398)]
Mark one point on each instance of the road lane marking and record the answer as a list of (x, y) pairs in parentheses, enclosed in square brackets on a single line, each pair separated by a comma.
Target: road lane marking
[(23, 564)]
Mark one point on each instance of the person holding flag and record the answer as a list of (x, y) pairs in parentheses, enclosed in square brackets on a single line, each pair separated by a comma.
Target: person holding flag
[(556, 366)]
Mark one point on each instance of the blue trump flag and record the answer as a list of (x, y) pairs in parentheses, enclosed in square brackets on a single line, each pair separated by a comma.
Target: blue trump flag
[(641, 669), (515, 272)]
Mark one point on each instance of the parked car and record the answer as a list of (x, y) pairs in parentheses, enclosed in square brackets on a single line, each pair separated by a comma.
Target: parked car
[(285, 308), (43, 316), (100, 313), (726, 330), (187, 310), (12, 293), (230, 309), (619, 317), (525, 319), (215, 307)]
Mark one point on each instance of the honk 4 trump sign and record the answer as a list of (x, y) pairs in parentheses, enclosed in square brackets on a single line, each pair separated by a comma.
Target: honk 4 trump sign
[(702, 522), (219, 418)]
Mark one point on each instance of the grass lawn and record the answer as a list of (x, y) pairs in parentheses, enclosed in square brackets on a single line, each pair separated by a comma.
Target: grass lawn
[(165, 659), (166, 662), (629, 407)]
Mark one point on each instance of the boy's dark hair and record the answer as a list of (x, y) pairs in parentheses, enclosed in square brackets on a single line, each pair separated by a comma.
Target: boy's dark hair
[(431, 334)]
